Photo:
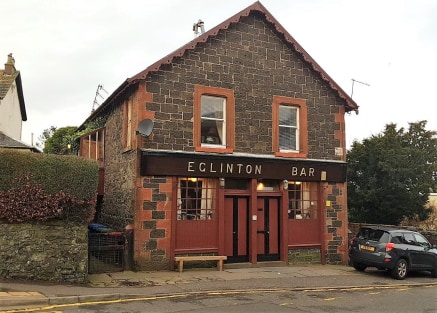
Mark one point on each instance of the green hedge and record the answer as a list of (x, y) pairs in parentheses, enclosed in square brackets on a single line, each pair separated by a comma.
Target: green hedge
[(76, 178)]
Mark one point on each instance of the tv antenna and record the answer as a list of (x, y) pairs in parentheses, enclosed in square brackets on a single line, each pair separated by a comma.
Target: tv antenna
[(356, 81), (96, 103)]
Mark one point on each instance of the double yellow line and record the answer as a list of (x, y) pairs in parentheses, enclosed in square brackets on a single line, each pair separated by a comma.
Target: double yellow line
[(46, 309)]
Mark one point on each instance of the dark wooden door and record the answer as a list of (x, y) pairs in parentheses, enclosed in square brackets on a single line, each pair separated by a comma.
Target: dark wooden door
[(236, 229), (267, 229)]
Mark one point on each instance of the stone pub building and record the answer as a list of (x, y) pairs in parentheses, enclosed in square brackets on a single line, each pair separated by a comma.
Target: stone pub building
[(232, 145)]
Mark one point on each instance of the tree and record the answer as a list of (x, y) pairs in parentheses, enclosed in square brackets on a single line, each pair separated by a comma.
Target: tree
[(391, 174), (60, 141), (46, 134)]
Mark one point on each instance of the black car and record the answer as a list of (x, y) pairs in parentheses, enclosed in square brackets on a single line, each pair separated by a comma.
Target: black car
[(398, 250)]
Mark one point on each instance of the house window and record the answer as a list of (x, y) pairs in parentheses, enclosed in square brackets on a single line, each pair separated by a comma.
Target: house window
[(196, 199), (212, 121), (302, 200), (289, 129), (214, 116)]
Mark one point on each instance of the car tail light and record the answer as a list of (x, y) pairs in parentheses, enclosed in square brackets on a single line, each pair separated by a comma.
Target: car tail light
[(389, 246)]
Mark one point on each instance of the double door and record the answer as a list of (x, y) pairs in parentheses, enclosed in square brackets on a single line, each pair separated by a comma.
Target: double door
[(237, 231)]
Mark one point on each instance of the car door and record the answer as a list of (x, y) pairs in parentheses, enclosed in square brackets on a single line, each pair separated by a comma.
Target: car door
[(425, 257), (415, 251)]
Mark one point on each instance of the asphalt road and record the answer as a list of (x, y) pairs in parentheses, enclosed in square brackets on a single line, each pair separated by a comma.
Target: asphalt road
[(379, 299), (313, 288)]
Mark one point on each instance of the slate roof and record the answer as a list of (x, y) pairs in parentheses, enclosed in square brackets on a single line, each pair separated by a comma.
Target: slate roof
[(350, 104), (5, 84), (7, 142)]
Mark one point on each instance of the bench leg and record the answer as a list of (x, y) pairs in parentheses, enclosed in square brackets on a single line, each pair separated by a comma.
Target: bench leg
[(220, 265), (180, 265)]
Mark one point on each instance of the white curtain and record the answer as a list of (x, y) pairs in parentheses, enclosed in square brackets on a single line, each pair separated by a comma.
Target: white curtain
[(179, 201), (220, 126), (305, 200), (208, 197)]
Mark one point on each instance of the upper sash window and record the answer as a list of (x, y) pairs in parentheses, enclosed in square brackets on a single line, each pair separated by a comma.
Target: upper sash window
[(214, 119), (289, 129)]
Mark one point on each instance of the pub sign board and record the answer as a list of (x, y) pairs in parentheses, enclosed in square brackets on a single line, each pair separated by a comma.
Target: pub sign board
[(159, 163)]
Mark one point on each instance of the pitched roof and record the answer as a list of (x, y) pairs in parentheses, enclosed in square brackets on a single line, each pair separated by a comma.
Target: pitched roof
[(10, 143), (6, 82), (350, 104)]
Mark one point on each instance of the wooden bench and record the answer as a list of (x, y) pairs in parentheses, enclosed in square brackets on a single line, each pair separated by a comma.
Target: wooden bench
[(219, 258)]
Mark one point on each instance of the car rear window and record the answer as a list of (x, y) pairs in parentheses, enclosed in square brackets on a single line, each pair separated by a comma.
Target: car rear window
[(373, 234)]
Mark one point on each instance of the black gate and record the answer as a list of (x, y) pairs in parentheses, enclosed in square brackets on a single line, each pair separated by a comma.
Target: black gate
[(106, 252)]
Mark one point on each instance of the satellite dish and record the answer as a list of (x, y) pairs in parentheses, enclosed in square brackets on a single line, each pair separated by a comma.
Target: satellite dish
[(145, 127)]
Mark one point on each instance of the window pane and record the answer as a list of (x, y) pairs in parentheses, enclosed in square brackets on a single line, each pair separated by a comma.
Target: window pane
[(267, 185), (212, 120), (302, 199), (409, 238), (196, 199), (240, 184), (421, 240), (287, 116), (288, 129), (211, 132), (287, 138), (212, 107)]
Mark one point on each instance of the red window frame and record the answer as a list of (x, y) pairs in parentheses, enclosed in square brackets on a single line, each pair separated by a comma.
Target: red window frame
[(228, 94), (303, 126)]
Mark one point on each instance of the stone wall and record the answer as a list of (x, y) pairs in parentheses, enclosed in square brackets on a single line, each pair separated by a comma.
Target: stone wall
[(52, 251), (336, 228), (304, 256), (250, 58), (117, 211)]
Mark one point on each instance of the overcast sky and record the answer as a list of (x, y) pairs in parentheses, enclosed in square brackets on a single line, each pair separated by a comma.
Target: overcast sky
[(66, 49)]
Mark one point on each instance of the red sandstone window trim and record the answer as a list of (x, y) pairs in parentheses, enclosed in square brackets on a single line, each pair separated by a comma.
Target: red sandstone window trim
[(302, 127), (228, 94)]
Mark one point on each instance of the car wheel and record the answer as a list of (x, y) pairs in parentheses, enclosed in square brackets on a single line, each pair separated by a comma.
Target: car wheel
[(359, 267), (400, 270)]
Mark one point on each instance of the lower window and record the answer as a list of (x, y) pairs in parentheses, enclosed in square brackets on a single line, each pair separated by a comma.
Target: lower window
[(302, 200), (196, 198)]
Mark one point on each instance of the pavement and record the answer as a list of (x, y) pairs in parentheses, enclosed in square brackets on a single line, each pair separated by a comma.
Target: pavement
[(22, 296)]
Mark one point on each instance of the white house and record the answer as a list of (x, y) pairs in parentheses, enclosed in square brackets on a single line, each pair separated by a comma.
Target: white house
[(12, 107)]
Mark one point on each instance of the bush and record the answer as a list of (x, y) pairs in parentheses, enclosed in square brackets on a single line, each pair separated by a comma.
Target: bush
[(40, 187), (28, 202), (429, 224)]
